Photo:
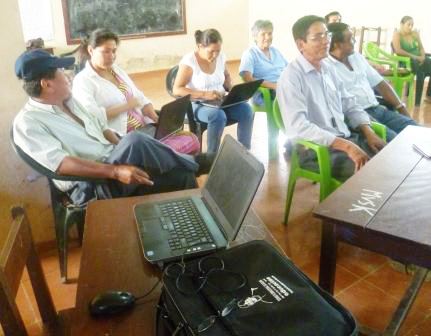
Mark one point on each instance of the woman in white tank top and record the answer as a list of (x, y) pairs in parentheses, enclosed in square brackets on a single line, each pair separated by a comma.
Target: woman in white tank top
[(203, 74)]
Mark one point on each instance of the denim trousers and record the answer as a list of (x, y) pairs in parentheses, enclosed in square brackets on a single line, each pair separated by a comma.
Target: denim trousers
[(216, 120), (391, 119)]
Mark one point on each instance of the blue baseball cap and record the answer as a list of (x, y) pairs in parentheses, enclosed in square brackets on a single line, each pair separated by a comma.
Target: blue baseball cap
[(34, 62)]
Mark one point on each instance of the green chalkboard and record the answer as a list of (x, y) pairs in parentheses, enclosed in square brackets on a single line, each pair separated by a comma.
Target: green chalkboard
[(127, 18)]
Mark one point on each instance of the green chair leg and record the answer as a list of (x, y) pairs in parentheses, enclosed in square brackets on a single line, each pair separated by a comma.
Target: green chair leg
[(272, 128)]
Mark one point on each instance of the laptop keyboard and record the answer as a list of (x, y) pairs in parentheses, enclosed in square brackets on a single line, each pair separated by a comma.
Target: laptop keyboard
[(186, 225)]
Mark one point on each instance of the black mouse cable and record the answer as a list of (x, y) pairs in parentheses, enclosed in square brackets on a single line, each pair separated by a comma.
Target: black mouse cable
[(149, 292)]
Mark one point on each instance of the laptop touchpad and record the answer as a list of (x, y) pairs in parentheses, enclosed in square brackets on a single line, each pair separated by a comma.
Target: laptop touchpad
[(148, 211)]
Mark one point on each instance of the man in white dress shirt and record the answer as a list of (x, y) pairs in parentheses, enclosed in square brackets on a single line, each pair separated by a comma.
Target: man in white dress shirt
[(58, 133), (360, 78), (314, 104)]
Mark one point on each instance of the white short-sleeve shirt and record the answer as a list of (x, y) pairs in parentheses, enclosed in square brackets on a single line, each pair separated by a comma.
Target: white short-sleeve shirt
[(201, 80), (359, 82)]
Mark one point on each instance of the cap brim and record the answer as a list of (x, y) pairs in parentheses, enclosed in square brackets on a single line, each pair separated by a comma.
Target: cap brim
[(63, 62)]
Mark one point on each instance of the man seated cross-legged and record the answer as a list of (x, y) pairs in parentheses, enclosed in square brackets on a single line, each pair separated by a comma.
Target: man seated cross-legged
[(58, 133)]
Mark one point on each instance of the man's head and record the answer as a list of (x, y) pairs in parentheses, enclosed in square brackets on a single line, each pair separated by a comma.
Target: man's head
[(333, 17), (311, 37), (343, 40), (41, 71)]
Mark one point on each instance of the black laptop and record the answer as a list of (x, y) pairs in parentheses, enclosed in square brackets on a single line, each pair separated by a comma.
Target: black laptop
[(171, 118), (188, 226), (238, 94)]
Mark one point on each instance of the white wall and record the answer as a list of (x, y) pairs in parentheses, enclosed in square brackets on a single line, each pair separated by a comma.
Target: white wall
[(368, 13), (137, 55), (14, 187)]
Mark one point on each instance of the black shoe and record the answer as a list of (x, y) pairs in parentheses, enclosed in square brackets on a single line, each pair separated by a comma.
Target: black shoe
[(205, 161)]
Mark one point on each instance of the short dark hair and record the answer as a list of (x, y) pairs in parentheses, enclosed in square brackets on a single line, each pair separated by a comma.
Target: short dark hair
[(33, 87), (207, 37), (331, 14), (405, 19), (337, 29), (300, 27), (96, 38)]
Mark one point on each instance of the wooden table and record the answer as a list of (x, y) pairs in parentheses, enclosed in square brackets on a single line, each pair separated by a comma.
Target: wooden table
[(112, 259), (383, 208)]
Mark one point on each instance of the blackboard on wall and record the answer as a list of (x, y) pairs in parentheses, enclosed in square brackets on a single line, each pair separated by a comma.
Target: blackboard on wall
[(127, 18)]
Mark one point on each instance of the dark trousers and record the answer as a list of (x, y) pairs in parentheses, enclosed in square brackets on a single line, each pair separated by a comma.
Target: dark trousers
[(422, 70), (169, 170), (342, 167)]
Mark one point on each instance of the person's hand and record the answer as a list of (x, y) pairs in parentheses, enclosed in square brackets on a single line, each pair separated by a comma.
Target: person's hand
[(357, 155), (133, 102), (421, 59), (129, 174), (374, 142), (212, 95), (353, 151)]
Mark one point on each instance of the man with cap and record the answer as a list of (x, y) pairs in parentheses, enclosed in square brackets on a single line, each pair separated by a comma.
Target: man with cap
[(58, 133)]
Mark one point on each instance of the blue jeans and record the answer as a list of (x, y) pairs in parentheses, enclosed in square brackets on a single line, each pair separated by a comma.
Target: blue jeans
[(395, 122), (216, 120)]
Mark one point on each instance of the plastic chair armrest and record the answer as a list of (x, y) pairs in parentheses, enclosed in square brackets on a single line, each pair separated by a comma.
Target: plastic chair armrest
[(379, 129), (406, 60), (323, 158)]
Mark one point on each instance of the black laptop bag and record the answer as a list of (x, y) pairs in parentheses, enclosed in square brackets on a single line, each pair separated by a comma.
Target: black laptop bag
[(258, 292)]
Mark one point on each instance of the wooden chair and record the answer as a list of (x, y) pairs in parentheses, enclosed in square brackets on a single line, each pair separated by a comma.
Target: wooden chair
[(19, 251), (378, 31)]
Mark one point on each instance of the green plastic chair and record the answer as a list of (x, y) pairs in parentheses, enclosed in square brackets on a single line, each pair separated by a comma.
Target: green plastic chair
[(272, 127), (327, 183), (396, 74)]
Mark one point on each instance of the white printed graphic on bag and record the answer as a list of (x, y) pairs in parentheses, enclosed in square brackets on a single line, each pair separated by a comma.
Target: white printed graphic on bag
[(275, 287)]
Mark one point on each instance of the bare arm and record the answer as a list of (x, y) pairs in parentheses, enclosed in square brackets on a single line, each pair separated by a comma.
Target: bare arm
[(148, 110), (248, 77), (421, 47), (388, 94), (184, 76), (227, 80), (373, 140), (127, 174), (116, 110)]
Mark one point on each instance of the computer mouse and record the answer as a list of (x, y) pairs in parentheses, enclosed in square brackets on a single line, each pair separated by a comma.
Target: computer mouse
[(110, 303)]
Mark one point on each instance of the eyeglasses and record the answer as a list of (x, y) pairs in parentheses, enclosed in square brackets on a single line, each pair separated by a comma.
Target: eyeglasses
[(320, 37), (211, 271)]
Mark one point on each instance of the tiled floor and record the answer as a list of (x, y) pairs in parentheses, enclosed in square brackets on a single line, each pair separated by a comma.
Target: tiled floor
[(365, 282)]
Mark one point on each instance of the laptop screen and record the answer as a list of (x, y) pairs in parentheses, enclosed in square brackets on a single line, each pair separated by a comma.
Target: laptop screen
[(171, 117), (232, 184)]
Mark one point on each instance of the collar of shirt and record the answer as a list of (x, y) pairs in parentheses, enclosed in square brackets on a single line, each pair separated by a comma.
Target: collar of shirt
[(263, 54), (308, 67)]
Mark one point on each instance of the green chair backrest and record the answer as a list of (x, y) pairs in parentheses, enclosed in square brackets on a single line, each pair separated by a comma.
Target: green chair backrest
[(277, 115)]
